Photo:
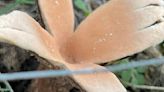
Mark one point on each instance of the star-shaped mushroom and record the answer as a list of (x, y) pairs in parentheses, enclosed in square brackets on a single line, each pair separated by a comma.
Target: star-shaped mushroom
[(116, 29)]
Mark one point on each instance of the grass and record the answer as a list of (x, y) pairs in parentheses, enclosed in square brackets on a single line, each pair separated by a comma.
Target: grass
[(13, 5)]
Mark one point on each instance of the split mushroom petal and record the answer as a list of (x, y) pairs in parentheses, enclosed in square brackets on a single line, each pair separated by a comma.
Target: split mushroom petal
[(153, 35), (148, 16), (17, 20), (58, 17), (96, 82), (113, 31), (20, 29), (22, 39), (137, 4)]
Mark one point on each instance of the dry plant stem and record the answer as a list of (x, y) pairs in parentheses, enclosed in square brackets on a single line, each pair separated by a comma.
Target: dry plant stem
[(143, 86), (8, 86)]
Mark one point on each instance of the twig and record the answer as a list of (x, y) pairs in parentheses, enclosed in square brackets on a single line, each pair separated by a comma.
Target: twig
[(143, 86), (8, 86), (56, 73)]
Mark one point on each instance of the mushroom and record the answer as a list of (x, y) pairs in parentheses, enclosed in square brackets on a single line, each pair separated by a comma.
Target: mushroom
[(116, 29)]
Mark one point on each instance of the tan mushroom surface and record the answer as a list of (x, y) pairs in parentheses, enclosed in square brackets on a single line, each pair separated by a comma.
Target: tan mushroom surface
[(116, 29)]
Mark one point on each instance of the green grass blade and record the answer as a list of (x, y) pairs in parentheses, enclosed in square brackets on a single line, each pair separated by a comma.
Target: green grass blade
[(8, 8), (82, 6), (31, 2)]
